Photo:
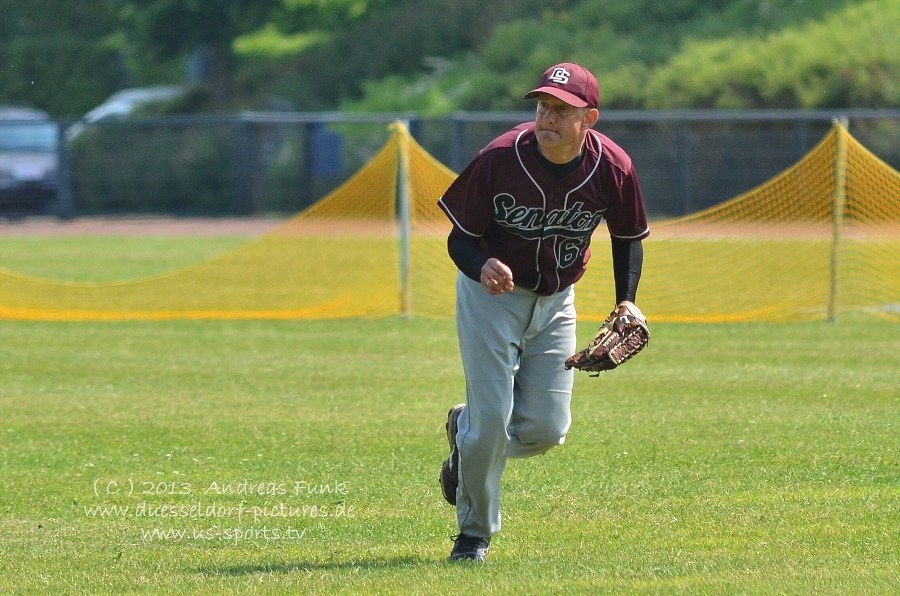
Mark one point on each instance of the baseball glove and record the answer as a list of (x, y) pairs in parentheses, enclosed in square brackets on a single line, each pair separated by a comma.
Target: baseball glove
[(622, 335)]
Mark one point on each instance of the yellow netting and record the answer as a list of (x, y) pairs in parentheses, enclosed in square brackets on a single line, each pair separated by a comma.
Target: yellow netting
[(337, 259), (822, 239)]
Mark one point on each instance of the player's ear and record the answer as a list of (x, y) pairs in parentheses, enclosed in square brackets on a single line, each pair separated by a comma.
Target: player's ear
[(591, 117)]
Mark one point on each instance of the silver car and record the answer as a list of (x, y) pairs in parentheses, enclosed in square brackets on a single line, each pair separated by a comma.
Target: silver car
[(29, 157)]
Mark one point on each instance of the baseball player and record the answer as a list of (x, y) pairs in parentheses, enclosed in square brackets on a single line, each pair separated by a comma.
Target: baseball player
[(523, 212)]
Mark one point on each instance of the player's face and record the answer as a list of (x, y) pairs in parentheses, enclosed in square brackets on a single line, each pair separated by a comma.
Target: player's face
[(560, 127)]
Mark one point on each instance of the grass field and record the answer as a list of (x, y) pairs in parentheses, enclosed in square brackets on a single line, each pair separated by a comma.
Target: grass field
[(302, 457)]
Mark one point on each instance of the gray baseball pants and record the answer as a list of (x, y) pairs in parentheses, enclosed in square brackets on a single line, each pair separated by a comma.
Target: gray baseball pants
[(518, 393)]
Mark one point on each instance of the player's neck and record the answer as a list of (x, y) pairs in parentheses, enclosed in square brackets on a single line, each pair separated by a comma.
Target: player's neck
[(559, 170), (559, 158), (560, 155)]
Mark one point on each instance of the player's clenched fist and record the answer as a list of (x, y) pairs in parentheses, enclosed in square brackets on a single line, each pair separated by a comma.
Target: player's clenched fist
[(496, 277)]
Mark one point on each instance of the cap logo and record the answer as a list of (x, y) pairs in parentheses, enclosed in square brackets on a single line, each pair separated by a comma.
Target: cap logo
[(560, 75)]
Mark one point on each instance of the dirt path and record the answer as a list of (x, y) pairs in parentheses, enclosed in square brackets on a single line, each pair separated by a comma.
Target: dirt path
[(137, 226)]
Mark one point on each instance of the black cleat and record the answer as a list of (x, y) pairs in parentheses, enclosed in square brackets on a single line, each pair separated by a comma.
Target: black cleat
[(470, 548), (449, 478)]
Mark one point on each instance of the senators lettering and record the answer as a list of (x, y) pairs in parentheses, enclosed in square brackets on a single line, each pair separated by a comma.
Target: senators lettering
[(533, 223)]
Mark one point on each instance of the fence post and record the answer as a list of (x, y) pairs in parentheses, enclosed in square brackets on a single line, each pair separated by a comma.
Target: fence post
[(405, 215), (840, 125), (458, 144), (683, 163), (241, 199), (65, 204)]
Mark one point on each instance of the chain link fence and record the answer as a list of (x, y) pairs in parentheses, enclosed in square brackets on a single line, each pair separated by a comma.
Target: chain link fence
[(280, 163)]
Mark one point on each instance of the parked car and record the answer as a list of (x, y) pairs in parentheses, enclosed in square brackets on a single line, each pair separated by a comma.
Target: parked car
[(126, 103), (29, 160), (130, 101)]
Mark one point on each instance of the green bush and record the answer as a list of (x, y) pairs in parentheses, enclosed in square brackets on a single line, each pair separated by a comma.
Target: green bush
[(148, 167), (835, 63)]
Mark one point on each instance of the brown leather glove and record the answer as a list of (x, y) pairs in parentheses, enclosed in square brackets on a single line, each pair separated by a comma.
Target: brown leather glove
[(623, 334)]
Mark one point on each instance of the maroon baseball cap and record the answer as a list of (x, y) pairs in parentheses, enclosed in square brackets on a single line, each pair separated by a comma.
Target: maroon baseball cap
[(572, 83)]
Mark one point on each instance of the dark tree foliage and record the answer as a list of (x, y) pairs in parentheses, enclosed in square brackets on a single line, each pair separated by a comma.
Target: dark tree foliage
[(436, 55), (62, 57)]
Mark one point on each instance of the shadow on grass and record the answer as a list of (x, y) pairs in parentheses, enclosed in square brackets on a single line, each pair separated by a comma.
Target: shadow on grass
[(262, 568)]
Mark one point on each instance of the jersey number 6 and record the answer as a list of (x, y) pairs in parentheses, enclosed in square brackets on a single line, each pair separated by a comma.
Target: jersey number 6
[(568, 251)]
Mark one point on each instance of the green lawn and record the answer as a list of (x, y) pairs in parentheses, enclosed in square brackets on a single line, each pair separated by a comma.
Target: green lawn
[(706, 465), (302, 457), (108, 258)]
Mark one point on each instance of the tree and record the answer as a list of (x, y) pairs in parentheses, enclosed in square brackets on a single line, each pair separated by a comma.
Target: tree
[(168, 29), (63, 57)]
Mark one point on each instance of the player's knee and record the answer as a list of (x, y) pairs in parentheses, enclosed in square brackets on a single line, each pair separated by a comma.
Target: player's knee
[(521, 448), (484, 434), (552, 439), (544, 435)]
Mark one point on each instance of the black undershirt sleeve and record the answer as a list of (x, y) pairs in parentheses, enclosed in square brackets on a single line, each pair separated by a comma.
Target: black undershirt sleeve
[(628, 260), (466, 253)]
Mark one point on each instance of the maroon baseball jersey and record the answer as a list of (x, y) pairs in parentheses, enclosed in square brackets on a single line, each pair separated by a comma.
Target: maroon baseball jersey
[(538, 225)]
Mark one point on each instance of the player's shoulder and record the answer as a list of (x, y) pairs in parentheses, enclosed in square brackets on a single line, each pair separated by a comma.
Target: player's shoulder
[(610, 151), (510, 138)]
